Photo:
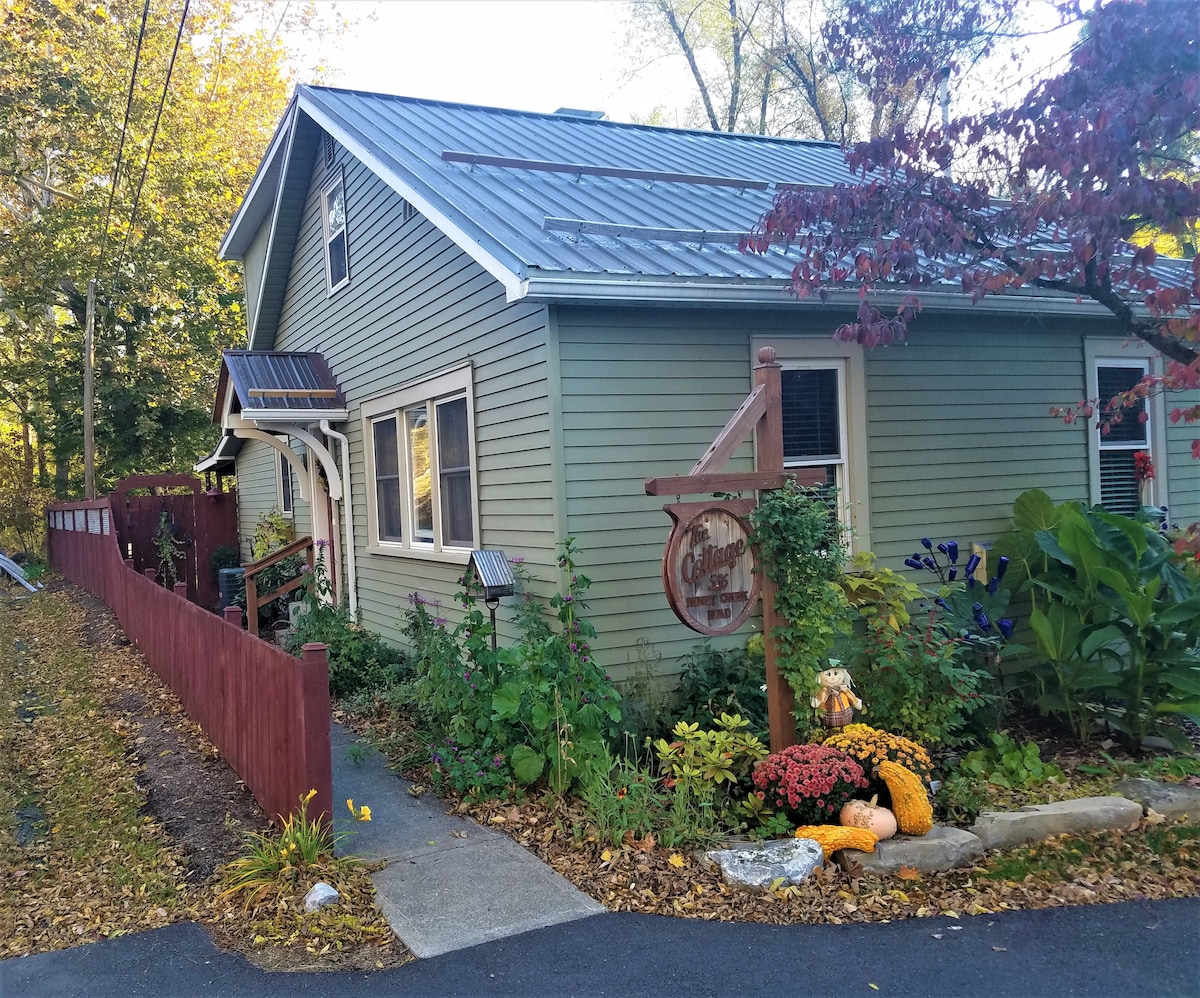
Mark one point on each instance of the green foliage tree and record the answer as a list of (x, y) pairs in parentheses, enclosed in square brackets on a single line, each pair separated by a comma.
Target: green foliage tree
[(97, 182)]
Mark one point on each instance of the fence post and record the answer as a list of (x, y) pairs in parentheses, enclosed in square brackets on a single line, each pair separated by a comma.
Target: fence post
[(233, 615), (129, 563), (313, 724), (181, 589), (151, 574)]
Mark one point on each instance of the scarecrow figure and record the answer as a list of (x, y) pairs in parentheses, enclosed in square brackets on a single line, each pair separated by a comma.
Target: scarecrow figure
[(835, 698)]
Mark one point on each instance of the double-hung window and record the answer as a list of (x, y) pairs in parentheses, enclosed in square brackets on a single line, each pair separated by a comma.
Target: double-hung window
[(421, 454), (824, 423), (1118, 478), (333, 221)]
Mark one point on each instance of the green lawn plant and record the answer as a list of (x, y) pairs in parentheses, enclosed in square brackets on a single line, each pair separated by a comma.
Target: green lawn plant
[(1116, 623), (722, 756), (286, 857), (1006, 763)]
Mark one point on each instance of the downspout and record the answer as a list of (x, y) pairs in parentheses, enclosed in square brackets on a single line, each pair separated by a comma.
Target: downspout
[(347, 517)]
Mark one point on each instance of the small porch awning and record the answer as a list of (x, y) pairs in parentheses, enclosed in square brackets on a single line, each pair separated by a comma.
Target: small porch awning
[(277, 386), (271, 395)]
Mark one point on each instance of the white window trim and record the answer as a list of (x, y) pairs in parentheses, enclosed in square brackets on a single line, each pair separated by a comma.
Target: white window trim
[(1105, 352), (334, 180), (286, 497), (456, 382), (800, 353)]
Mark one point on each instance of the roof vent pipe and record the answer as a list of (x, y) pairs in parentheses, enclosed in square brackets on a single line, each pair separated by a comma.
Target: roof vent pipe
[(347, 519)]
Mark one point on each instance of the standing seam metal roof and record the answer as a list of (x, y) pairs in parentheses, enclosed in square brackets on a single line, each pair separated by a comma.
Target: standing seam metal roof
[(504, 208)]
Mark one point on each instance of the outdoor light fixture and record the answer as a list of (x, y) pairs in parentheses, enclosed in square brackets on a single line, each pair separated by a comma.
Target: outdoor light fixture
[(491, 571)]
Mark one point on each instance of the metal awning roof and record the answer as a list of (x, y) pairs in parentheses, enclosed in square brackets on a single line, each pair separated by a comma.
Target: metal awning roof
[(274, 385)]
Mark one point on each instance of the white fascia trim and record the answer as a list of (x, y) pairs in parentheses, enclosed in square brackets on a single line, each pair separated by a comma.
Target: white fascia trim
[(271, 416), (280, 142), (364, 151), (301, 474), (264, 429), (653, 291)]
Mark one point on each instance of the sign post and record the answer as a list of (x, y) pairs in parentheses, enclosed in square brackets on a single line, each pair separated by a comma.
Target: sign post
[(709, 570)]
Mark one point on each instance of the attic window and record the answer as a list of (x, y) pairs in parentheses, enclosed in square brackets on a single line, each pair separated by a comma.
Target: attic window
[(337, 260)]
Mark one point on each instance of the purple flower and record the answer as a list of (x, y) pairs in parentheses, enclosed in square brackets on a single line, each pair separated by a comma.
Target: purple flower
[(518, 560)]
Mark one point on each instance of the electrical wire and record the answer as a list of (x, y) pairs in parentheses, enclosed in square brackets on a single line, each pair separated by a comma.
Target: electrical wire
[(124, 129), (137, 197)]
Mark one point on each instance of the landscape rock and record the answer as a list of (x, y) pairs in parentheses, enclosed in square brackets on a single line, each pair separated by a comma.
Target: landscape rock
[(319, 896), (942, 848), (1003, 829), (1172, 800), (761, 865)]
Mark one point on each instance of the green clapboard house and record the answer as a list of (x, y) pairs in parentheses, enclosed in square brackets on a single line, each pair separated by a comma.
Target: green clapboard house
[(480, 328)]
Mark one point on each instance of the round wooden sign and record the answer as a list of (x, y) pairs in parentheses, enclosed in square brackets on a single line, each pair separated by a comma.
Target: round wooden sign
[(708, 566)]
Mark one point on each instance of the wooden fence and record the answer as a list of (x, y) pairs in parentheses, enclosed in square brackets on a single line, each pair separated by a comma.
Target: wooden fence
[(266, 711)]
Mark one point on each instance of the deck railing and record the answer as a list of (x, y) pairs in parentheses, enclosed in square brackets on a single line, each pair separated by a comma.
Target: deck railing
[(265, 711)]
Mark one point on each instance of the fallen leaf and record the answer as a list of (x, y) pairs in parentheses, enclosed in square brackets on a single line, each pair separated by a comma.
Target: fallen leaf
[(676, 860), (873, 987), (999, 949), (606, 855), (909, 873)]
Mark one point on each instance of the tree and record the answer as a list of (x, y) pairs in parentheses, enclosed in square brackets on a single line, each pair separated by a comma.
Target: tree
[(1098, 163), (804, 68), (133, 184)]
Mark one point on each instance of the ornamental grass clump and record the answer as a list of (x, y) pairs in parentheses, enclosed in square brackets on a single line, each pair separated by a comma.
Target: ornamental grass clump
[(871, 746), (809, 783)]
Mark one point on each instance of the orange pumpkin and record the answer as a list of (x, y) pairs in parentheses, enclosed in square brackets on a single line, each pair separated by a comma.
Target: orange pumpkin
[(869, 815)]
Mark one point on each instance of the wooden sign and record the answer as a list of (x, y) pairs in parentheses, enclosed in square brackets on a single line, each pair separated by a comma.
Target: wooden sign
[(708, 565)]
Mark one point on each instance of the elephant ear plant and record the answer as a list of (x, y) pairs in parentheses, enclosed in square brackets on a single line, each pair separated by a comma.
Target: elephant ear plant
[(1114, 620)]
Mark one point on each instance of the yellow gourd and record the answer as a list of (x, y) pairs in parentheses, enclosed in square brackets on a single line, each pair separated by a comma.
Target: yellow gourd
[(831, 838), (910, 802)]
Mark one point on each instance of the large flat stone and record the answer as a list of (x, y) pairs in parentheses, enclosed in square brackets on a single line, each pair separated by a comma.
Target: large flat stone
[(1172, 800), (1003, 829), (942, 848), (790, 860)]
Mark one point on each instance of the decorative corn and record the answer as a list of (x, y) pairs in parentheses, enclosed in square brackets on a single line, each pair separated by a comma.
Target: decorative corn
[(910, 802), (831, 838)]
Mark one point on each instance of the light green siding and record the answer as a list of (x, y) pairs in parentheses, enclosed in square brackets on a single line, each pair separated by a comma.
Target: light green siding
[(257, 489), (957, 428), (1183, 470), (417, 305)]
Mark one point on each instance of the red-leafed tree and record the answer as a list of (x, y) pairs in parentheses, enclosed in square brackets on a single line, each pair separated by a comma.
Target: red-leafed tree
[(1075, 189)]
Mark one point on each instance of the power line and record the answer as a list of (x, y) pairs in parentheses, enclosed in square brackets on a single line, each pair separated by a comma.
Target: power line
[(124, 129), (137, 197)]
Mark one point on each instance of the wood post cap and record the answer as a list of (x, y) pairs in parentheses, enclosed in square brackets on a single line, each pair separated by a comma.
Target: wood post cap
[(766, 356)]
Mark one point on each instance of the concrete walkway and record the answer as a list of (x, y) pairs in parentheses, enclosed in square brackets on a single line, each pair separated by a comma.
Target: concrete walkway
[(449, 883)]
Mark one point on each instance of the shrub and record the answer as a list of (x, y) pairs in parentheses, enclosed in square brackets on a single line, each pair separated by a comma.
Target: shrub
[(545, 704), (722, 681), (358, 659), (1114, 617), (809, 783), (919, 681)]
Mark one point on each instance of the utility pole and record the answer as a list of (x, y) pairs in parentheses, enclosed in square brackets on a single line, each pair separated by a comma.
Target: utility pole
[(89, 390)]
